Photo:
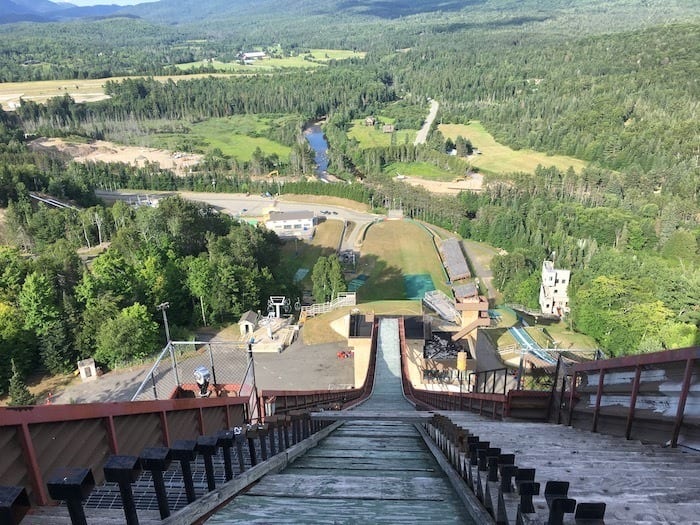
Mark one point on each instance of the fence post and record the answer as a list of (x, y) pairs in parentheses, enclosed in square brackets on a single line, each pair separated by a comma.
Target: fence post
[(599, 394), (572, 393), (681, 402), (211, 362), (174, 360)]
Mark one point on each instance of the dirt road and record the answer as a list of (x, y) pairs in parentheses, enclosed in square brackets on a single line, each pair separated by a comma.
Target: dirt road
[(423, 132)]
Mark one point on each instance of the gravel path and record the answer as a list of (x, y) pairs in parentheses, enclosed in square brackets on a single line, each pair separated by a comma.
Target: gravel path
[(423, 132)]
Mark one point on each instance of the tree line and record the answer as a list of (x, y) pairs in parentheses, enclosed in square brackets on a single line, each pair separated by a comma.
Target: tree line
[(57, 307)]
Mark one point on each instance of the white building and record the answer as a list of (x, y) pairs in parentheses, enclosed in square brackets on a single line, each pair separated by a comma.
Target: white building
[(554, 297), (253, 55), (299, 224)]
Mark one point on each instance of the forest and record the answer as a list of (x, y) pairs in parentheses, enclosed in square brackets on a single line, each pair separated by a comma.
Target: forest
[(622, 95)]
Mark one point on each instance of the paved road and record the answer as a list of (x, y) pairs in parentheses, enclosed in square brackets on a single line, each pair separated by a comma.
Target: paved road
[(422, 135), (254, 206)]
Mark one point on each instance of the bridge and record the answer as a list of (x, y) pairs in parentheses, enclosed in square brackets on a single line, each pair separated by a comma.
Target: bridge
[(611, 443)]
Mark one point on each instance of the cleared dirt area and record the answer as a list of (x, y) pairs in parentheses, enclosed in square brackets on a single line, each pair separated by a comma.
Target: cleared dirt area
[(325, 200), (103, 151), (472, 183)]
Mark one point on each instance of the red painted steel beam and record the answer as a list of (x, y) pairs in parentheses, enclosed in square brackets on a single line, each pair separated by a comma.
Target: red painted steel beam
[(599, 394), (33, 470), (681, 402), (633, 401), (11, 416)]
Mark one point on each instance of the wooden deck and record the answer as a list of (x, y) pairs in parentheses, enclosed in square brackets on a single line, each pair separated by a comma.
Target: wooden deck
[(377, 464), (640, 484), (364, 472)]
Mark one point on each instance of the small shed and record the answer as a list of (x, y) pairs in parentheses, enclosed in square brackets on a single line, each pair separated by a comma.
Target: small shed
[(248, 322), (370, 121), (388, 128), (88, 370)]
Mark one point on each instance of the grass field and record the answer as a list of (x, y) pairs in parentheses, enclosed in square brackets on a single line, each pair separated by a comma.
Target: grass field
[(566, 338), (422, 170), (315, 58), (369, 137), (234, 136), (317, 330), (393, 249), (81, 90), (497, 158), (304, 254)]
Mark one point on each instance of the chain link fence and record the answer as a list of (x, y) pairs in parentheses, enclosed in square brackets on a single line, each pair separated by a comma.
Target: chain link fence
[(175, 366)]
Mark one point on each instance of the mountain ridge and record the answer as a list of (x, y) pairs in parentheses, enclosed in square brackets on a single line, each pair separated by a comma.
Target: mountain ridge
[(12, 11)]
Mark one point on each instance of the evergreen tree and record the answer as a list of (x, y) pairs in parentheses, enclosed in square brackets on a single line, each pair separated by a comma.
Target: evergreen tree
[(19, 393)]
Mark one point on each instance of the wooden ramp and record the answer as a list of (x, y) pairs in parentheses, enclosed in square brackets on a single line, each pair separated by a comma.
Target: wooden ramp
[(365, 472)]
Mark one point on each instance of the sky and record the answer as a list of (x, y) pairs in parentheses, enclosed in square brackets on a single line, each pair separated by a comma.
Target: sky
[(96, 2)]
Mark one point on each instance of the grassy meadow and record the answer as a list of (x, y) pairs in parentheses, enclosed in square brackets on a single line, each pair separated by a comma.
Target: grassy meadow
[(314, 58), (235, 136), (391, 250), (497, 158), (369, 137)]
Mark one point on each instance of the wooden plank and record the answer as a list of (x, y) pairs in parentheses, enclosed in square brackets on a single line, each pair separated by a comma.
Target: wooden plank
[(285, 511), (407, 464), (396, 415), (474, 508), (382, 454), (403, 444), (418, 488), (372, 432)]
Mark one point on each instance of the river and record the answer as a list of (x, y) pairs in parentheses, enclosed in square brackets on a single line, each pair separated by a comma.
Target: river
[(317, 141)]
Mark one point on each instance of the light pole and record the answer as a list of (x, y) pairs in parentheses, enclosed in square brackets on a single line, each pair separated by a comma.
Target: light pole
[(162, 307)]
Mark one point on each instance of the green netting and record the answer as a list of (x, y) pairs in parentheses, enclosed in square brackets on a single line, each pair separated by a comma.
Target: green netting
[(357, 282), (300, 274), (417, 284)]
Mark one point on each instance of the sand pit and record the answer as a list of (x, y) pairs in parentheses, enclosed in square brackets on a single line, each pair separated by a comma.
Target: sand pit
[(103, 151)]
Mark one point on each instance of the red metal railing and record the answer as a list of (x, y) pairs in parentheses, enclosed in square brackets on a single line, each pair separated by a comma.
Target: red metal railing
[(653, 375), (37, 438)]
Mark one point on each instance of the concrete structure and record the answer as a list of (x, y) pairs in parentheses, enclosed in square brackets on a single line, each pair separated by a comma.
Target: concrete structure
[(248, 322), (554, 297), (299, 224), (88, 370)]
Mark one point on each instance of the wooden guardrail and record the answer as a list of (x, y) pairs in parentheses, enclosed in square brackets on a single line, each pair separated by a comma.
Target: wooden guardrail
[(653, 397)]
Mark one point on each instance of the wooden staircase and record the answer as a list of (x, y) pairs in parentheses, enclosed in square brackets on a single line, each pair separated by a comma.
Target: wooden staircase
[(630, 482)]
